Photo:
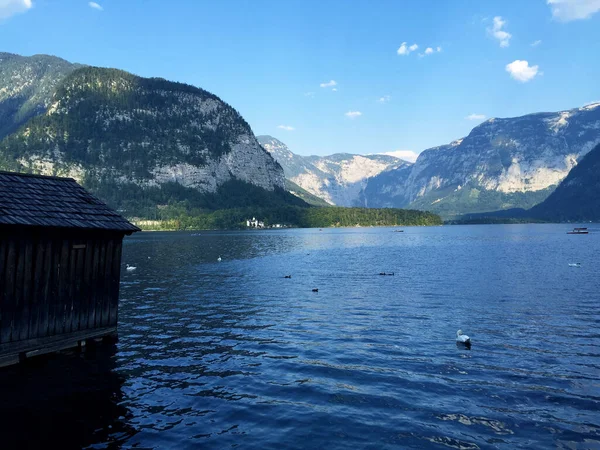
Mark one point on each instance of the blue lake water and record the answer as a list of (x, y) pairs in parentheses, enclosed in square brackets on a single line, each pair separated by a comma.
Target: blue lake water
[(232, 354)]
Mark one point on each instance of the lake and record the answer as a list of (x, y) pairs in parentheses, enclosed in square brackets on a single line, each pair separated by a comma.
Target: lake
[(232, 354)]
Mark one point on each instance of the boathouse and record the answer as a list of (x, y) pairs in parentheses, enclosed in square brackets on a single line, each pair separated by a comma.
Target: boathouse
[(60, 265)]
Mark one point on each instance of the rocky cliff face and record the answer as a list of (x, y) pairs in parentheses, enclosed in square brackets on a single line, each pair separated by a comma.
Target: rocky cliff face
[(501, 164), (26, 87), (338, 179), (120, 129), (577, 197)]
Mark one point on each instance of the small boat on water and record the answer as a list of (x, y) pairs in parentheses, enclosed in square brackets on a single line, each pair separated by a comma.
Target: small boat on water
[(580, 230)]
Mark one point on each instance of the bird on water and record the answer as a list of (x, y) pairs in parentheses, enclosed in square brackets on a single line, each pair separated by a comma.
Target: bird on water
[(219, 259), (462, 338), (130, 268)]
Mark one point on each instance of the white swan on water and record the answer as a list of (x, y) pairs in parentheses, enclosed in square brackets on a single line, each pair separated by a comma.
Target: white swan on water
[(219, 259), (130, 268), (462, 338)]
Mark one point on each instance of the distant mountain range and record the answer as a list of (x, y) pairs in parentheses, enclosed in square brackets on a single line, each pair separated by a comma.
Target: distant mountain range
[(502, 164), (146, 143), (338, 179)]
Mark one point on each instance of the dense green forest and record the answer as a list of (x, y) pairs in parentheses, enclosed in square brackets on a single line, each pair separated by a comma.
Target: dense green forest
[(290, 216)]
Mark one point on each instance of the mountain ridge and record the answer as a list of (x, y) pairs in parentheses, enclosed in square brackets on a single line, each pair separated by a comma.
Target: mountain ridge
[(114, 131), (502, 163), (338, 178)]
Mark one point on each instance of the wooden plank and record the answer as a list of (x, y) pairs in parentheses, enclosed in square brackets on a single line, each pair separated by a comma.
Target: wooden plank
[(106, 293), (94, 285), (9, 352), (62, 300), (27, 288), (53, 303), (71, 302), (45, 288), (116, 282), (100, 282), (86, 289), (79, 250), (8, 285), (37, 286), (3, 252), (18, 290)]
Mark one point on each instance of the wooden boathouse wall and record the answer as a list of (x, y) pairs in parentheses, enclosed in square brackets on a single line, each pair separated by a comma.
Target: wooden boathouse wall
[(60, 265)]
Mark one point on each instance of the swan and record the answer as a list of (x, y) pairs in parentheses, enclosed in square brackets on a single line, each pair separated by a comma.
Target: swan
[(462, 338), (219, 259), (130, 268), (574, 264)]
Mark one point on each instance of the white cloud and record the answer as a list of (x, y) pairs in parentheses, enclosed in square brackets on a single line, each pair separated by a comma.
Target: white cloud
[(522, 71), (328, 84), (497, 32), (11, 7), (309, 94), (384, 99), (286, 127), (475, 117), (353, 114), (96, 6), (430, 51), (536, 43), (567, 10), (406, 155), (404, 49), (334, 89)]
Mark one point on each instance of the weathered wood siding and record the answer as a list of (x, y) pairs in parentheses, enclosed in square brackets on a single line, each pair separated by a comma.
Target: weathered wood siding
[(57, 284)]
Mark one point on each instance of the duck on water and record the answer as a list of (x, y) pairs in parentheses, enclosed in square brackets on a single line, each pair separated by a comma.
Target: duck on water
[(463, 339)]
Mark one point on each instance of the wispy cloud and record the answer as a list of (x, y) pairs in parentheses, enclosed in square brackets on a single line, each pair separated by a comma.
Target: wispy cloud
[(309, 94), (568, 10), (406, 155), (522, 71), (353, 114), (405, 49), (328, 84), (498, 33), (536, 43), (286, 127), (11, 7), (334, 89), (430, 51), (95, 5), (384, 99), (475, 117)]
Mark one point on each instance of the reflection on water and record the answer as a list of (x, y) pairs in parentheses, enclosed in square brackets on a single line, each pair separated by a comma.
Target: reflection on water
[(69, 400), (220, 354)]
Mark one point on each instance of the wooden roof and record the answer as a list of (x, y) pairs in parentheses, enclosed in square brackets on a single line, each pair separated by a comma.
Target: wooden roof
[(41, 201)]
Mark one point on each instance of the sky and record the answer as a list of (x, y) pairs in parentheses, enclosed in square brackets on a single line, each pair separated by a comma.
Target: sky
[(336, 76)]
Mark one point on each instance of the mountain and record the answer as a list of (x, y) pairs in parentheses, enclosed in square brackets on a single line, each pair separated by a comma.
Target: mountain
[(309, 198), (26, 87), (338, 179), (577, 197), (501, 164), (138, 142)]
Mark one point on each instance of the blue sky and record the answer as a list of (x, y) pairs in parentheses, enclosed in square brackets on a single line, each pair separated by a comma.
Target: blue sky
[(268, 59)]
